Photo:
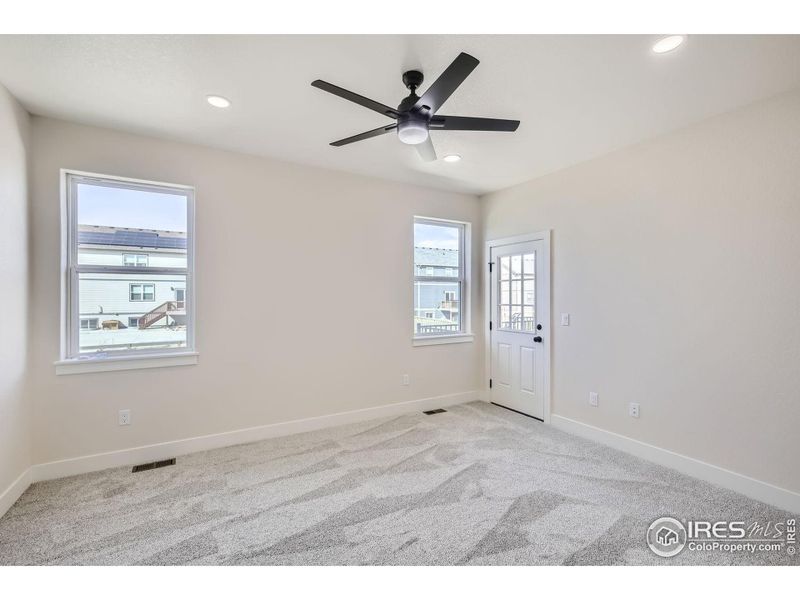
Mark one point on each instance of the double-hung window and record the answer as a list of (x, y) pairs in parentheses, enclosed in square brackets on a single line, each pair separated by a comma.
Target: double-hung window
[(127, 246), (440, 278)]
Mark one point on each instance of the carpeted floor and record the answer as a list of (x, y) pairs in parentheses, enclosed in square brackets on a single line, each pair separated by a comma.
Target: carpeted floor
[(475, 485)]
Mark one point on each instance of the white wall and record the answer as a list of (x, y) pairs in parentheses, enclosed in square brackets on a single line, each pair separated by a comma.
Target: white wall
[(15, 413), (679, 262), (305, 241)]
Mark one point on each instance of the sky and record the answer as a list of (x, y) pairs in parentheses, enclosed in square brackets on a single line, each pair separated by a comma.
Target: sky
[(110, 206), (435, 236)]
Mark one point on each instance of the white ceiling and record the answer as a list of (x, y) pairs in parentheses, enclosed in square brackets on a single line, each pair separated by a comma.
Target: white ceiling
[(577, 96)]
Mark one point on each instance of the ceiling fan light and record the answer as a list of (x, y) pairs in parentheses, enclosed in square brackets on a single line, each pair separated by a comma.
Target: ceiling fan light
[(412, 132)]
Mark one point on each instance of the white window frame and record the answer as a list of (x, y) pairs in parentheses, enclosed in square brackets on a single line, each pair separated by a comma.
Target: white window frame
[(71, 360), (462, 278)]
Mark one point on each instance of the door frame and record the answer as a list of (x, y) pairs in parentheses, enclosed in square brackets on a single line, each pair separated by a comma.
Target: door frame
[(545, 316)]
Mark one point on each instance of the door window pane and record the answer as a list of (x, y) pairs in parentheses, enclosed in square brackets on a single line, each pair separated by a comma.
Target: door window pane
[(505, 317), (505, 292), (505, 268), (529, 265), (517, 292), (516, 266)]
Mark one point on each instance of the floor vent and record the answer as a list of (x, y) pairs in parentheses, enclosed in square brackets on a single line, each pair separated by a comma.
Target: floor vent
[(154, 465), (433, 412)]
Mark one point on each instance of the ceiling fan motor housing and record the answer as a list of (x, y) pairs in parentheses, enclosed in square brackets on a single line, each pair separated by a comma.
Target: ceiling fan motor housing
[(412, 125)]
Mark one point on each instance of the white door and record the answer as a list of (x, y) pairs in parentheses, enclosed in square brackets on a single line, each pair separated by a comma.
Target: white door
[(519, 323)]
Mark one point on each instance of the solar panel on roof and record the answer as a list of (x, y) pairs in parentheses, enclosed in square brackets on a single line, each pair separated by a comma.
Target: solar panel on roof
[(131, 238)]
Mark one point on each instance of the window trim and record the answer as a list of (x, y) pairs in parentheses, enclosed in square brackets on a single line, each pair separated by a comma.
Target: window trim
[(71, 270), (463, 278)]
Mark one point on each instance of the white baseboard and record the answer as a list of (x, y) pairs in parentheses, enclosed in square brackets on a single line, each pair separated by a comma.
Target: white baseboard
[(753, 488), (15, 490), (154, 452)]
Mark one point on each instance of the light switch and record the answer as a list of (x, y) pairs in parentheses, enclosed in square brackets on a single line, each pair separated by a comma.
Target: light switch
[(565, 319)]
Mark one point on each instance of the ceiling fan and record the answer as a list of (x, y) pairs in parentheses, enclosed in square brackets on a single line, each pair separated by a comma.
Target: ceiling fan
[(416, 115)]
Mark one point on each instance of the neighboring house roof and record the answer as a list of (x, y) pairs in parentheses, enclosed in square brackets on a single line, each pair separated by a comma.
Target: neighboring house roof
[(139, 238), (435, 257)]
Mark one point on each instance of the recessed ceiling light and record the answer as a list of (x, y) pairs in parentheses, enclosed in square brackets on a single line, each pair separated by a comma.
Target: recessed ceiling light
[(218, 101), (452, 158), (668, 44)]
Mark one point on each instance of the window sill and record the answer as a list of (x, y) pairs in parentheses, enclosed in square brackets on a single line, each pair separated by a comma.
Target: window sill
[(75, 366), (435, 340)]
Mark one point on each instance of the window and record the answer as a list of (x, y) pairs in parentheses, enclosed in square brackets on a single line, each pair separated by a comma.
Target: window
[(134, 260), (89, 323), (142, 292), (440, 277), (517, 293), (180, 297), (151, 226)]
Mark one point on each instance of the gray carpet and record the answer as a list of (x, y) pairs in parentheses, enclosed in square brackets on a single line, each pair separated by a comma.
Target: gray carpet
[(475, 485)]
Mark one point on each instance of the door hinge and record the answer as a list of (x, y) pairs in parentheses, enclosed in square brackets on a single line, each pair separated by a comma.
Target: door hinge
[(490, 266), (490, 325), (490, 384)]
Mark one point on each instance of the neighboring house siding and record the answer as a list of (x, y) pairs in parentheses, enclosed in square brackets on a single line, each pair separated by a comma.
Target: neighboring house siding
[(114, 256), (428, 297), (108, 296), (430, 306)]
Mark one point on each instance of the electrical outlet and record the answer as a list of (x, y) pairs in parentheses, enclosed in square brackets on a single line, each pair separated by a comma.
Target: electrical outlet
[(125, 417), (633, 410), (406, 380), (593, 399), (565, 319)]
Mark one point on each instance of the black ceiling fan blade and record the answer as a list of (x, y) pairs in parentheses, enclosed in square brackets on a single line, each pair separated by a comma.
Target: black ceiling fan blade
[(426, 150), (453, 76), (357, 98), (365, 136), (448, 123)]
